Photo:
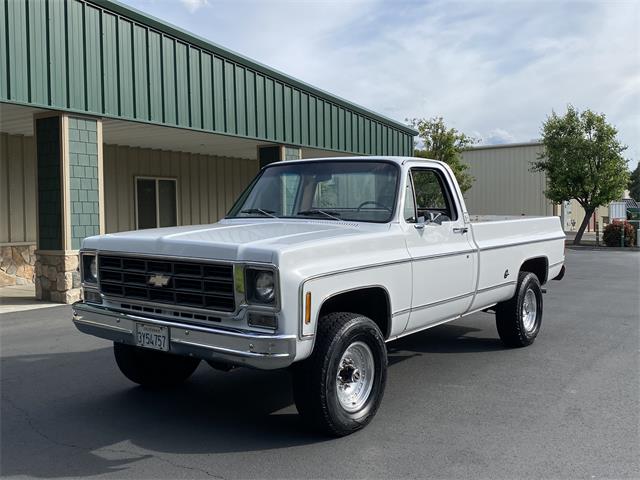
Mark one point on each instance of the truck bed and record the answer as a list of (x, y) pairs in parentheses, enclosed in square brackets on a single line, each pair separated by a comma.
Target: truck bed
[(499, 218), (503, 242)]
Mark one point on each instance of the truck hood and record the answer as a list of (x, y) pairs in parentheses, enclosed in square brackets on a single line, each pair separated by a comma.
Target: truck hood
[(254, 240)]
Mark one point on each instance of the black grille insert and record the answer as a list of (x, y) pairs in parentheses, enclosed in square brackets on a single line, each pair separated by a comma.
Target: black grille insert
[(190, 284)]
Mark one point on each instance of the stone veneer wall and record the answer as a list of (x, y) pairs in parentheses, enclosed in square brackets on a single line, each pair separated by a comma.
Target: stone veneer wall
[(57, 276), (17, 264)]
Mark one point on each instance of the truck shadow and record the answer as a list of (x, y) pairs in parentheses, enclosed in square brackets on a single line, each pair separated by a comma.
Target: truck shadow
[(448, 338), (77, 406), (86, 411)]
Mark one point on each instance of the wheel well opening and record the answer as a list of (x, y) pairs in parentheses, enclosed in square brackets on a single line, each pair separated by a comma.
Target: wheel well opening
[(372, 302), (538, 266)]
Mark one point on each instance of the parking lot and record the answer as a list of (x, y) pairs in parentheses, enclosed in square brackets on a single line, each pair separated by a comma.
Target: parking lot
[(457, 404)]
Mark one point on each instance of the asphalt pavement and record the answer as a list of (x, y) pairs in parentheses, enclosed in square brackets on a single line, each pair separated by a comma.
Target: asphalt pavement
[(457, 404)]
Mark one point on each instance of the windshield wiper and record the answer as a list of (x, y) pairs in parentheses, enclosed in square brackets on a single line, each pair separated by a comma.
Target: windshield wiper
[(266, 213), (316, 211)]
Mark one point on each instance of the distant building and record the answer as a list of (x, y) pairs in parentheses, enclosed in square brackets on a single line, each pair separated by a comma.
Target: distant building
[(505, 185)]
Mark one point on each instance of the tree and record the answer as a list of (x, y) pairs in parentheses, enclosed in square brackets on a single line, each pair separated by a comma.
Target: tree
[(582, 159), (634, 184), (444, 144)]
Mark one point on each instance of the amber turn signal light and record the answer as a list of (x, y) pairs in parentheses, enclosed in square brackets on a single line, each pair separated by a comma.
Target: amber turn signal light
[(307, 309)]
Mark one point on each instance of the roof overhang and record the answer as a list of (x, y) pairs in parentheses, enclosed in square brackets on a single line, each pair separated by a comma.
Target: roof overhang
[(18, 120), (108, 60)]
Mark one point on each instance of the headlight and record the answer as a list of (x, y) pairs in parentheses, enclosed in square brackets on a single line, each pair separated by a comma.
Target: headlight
[(265, 288), (261, 286), (89, 269)]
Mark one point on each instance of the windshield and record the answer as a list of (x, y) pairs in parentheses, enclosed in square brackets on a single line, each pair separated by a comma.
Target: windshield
[(363, 191)]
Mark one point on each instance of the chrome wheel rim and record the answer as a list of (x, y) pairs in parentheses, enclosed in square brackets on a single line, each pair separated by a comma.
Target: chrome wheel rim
[(354, 379), (529, 310)]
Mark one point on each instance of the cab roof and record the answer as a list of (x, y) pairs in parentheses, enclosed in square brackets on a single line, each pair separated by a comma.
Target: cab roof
[(398, 160)]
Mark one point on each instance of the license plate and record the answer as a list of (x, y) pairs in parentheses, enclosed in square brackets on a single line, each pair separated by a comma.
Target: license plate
[(152, 336)]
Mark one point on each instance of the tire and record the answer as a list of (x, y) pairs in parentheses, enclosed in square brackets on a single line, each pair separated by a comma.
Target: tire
[(322, 398), (518, 325), (151, 368)]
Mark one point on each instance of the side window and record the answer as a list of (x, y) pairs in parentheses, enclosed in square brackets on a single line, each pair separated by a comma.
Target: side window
[(433, 198), (409, 202)]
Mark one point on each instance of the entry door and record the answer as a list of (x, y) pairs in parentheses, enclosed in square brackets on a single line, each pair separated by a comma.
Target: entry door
[(439, 243)]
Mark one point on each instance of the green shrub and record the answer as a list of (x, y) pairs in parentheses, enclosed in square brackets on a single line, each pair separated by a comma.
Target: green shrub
[(612, 232)]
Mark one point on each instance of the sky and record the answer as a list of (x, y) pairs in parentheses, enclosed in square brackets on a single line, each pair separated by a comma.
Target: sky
[(492, 69)]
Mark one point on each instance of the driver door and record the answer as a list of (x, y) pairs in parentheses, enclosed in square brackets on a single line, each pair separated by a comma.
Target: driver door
[(443, 258)]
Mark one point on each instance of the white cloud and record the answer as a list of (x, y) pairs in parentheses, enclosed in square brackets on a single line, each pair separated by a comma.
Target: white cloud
[(494, 68), (194, 5), (498, 136)]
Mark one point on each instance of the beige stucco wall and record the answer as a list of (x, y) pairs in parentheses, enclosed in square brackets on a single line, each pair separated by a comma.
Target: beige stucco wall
[(17, 189), (504, 183), (17, 209), (207, 185), (574, 217)]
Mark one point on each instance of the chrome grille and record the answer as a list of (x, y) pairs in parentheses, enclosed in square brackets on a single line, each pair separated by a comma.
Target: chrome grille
[(189, 284)]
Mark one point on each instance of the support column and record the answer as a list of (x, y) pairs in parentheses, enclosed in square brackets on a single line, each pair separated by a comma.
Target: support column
[(69, 202)]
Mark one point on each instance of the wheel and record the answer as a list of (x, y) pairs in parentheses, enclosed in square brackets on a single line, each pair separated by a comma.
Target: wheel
[(339, 388), (520, 318), (152, 368)]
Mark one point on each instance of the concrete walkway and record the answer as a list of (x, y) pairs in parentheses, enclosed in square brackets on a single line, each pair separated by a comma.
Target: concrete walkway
[(20, 298)]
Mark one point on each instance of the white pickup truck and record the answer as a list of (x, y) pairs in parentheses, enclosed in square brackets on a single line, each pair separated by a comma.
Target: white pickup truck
[(318, 264)]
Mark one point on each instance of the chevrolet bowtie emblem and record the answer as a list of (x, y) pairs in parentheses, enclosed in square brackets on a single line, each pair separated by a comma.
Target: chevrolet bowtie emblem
[(159, 280)]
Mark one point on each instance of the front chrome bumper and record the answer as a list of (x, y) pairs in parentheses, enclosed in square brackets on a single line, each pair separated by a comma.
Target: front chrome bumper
[(242, 348)]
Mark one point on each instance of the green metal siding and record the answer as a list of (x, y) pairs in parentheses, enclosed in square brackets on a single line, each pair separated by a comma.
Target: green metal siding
[(250, 79), (18, 74), (195, 79), (93, 63), (182, 85), (57, 53), (229, 98), (102, 58), (76, 56), (206, 89), (261, 117), (279, 109), (240, 95), (154, 66), (109, 56)]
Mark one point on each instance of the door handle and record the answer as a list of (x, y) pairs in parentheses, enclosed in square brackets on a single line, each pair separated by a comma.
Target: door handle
[(460, 230)]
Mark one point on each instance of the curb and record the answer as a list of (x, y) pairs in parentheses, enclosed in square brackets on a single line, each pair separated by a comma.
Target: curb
[(601, 248)]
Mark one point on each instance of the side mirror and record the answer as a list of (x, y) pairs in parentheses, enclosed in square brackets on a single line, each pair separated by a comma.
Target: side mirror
[(434, 216), (430, 218)]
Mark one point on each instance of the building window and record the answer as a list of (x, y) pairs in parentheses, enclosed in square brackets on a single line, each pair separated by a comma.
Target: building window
[(291, 153), (156, 202)]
